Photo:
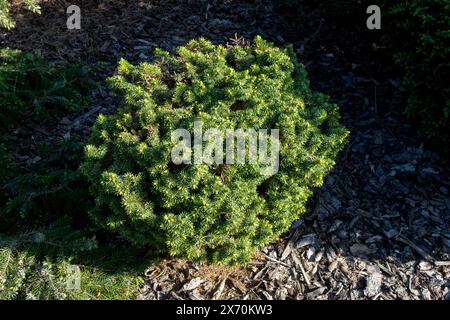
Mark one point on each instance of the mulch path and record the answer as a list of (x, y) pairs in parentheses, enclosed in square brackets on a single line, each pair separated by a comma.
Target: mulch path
[(379, 228)]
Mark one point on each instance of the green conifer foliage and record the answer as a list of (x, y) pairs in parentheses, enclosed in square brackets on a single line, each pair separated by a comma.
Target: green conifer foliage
[(217, 212), (6, 21), (419, 37)]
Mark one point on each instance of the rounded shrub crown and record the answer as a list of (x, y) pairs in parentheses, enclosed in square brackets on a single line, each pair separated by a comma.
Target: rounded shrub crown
[(217, 211)]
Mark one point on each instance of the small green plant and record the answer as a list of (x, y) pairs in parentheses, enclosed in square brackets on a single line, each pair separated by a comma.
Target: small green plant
[(32, 89), (218, 212), (419, 36), (6, 21), (44, 227), (48, 189), (37, 264), (49, 201)]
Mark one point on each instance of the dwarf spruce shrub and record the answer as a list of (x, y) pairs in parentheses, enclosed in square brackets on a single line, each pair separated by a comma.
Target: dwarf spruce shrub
[(218, 212)]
